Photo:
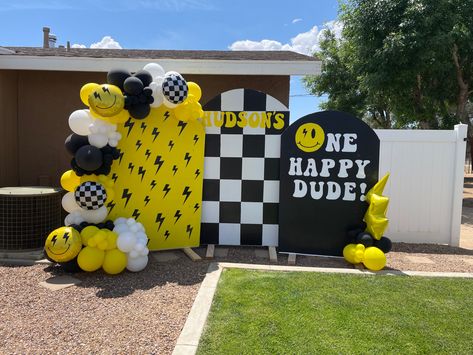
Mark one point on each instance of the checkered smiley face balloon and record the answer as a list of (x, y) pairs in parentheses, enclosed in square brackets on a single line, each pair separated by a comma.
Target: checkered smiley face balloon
[(90, 195), (175, 88)]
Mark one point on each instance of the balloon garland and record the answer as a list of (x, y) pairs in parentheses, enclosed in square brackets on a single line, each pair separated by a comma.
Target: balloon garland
[(89, 241), (370, 246)]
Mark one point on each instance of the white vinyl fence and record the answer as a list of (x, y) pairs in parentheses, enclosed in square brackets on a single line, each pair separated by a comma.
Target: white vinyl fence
[(426, 183)]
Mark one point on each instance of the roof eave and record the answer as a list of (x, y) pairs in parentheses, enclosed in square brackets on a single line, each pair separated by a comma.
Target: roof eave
[(186, 66)]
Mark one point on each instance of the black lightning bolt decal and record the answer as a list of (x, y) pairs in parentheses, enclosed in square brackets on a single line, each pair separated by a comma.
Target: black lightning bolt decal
[(138, 144), (143, 127), (166, 235), (136, 213), (54, 239), (130, 125), (66, 236), (174, 168), (97, 95), (187, 192), (131, 167), (188, 158), (153, 184), (166, 115), (126, 195), (147, 153), (196, 139), (155, 133), (158, 162), (304, 131), (171, 145), (189, 229), (147, 199), (177, 215), (141, 172), (197, 173), (114, 177), (120, 157), (196, 207), (160, 219), (166, 189), (110, 206), (105, 89), (182, 125)]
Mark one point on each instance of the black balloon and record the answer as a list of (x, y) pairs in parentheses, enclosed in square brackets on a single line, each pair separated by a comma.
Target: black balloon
[(71, 266), (364, 238), (117, 77), (89, 158), (144, 76), (139, 111), (133, 86), (384, 244), (74, 142)]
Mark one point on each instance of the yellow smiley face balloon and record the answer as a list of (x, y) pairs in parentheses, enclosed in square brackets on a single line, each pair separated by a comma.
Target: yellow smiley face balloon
[(309, 137), (63, 244), (106, 100)]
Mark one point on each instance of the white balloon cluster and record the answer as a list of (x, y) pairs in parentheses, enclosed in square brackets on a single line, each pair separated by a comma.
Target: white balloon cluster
[(77, 215), (158, 74), (133, 241), (99, 132)]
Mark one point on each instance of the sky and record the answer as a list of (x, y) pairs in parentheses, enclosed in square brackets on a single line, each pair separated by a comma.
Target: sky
[(177, 24)]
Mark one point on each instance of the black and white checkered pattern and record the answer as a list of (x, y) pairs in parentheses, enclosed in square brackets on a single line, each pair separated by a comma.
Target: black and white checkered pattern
[(241, 174), (90, 195), (175, 88)]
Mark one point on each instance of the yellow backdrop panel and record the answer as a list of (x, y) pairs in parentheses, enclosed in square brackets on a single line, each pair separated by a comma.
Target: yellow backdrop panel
[(159, 176)]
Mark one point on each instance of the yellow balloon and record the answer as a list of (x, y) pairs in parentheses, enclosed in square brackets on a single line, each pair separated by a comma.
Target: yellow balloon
[(378, 188), (378, 205), (376, 226), (87, 233), (85, 92), (90, 259), (374, 259), (70, 180), (111, 240), (349, 253), (114, 262), (182, 112), (63, 244), (195, 90)]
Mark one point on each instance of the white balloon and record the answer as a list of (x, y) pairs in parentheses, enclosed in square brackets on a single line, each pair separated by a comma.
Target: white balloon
[(145, 251), (137, 264), (69, 202), (159, 80), (138, 247), (168, 104), (133, 254), (134, 228), (154, 69), (120, 228), (130, 221), (141, 236), (119, 220), (98, 140), (79, 122), (73, 218), (157, 94), (112, 142), (126, 242), (95, 216)]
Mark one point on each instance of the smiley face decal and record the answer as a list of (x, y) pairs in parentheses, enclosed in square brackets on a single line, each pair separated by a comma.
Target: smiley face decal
[(106, 100), (309, 137), (63, 244)]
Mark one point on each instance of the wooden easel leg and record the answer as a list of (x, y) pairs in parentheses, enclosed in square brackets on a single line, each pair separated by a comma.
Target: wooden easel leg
[(210, 251), (291, 259), (273, 256), (191, 254)]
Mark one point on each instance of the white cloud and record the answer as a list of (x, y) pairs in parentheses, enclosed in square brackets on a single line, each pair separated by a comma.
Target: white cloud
[(107, 42), (296, 20), (305, 42)]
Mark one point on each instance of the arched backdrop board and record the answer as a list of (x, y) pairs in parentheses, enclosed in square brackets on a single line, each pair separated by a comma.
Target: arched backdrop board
[(241, 172), (158, 178), (319, 202)]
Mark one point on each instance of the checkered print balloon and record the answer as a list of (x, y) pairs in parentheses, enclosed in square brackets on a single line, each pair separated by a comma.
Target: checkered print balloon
[(90, 195), (175, 88)]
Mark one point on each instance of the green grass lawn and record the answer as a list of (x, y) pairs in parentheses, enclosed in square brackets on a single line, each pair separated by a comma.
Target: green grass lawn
[(258, 312)]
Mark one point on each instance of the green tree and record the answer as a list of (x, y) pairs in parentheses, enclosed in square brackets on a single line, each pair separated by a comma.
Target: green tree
[(408, 61)]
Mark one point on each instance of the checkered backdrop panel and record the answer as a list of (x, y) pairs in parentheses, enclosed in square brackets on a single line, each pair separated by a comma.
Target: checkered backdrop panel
[(241, 168)]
